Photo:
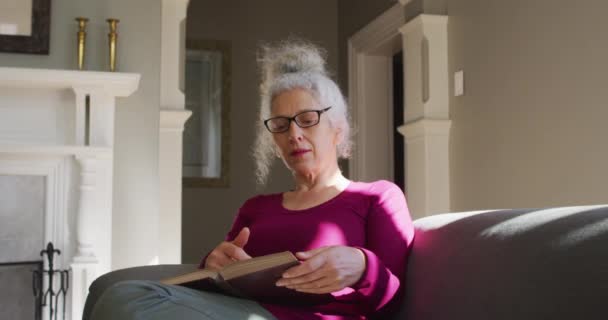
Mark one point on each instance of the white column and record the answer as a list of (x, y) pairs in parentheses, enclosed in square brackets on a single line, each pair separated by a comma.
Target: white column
[(170, 163), (100, 137), (426, 114), (87, 206), (84, 265), (172, 119), (173, 48), (427, 166)]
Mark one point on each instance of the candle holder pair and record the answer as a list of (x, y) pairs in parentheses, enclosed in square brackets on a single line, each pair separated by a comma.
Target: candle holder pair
[(112, 41)]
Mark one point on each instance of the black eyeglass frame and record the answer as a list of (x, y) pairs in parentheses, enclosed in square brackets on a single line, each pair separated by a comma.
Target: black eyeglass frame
[(290, 119)]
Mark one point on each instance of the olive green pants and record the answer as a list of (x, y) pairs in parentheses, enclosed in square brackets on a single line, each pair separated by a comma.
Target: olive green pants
[(150, 300)]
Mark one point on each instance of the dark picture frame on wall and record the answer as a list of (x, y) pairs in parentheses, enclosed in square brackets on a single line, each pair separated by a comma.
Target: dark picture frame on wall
[(38, 41), (206, 160)]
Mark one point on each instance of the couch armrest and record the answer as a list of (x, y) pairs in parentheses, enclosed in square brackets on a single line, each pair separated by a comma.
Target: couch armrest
[(157, 272)]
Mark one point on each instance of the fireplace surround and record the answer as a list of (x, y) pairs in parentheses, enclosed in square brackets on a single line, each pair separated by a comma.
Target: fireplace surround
[(59, 125)]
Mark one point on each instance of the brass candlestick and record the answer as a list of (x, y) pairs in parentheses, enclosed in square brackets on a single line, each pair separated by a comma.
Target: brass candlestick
[(81, 36), (112, 37)]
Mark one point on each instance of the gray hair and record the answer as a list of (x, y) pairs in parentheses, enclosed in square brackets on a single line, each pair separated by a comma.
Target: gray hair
[(289, 65)]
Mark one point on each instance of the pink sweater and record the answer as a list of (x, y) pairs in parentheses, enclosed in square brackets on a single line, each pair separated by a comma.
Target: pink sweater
[(370, 216)]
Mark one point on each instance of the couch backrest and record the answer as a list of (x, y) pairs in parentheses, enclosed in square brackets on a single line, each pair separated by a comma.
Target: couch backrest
[(509, 264)]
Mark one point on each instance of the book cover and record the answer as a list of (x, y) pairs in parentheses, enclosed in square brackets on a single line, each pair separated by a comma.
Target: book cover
[(254, 279)]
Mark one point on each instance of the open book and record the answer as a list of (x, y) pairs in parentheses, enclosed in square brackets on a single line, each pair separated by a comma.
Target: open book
[(254, 278)]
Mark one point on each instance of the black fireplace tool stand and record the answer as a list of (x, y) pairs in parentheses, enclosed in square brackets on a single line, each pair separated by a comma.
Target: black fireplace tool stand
[(54, 293)]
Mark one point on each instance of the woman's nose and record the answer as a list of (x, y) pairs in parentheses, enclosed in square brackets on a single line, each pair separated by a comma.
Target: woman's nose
[(295, 132)]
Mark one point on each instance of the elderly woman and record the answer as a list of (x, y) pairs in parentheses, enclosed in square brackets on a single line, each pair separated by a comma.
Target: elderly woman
[(352, 237)]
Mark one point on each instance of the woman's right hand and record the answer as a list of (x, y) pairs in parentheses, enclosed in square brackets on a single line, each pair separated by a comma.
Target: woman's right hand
[(228, 252)]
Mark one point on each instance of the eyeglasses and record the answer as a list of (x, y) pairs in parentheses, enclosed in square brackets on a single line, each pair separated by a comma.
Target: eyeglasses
[(303, 119)]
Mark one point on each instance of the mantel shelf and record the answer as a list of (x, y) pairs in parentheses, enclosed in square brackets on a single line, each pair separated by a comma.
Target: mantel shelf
[(117, 84)]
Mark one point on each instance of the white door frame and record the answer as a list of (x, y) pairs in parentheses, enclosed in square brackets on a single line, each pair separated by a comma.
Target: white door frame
[(370, 53), (423, 41)]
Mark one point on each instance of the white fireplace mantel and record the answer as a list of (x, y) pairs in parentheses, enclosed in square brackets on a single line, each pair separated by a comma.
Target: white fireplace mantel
[(114, 84), (59, 124)]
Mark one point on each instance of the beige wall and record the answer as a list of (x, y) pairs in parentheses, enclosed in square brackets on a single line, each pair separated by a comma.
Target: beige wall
[(415, 7), (135, 204), (208, 212), (531, 129)]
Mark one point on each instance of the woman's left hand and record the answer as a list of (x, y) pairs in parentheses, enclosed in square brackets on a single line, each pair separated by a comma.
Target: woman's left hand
[(325, 269)]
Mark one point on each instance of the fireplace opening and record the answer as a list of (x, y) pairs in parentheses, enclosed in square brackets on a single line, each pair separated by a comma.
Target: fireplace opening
[(17, 300), (22, 211)]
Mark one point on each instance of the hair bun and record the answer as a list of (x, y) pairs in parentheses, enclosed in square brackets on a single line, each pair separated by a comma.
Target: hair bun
[(291, 56)]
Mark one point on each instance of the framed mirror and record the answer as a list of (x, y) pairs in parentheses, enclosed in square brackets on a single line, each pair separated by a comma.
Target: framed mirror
[(206, 158), (25, 26)]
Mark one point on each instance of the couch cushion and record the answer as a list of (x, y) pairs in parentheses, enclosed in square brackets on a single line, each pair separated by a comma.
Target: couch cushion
[(510, 264)]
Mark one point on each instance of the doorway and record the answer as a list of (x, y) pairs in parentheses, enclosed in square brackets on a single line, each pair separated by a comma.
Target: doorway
[(375, 63)]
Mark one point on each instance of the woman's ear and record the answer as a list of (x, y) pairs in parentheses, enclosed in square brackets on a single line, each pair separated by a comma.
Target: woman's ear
[(339, 136)]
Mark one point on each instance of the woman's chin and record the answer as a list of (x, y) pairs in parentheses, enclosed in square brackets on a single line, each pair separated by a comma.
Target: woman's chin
[(302, 169)]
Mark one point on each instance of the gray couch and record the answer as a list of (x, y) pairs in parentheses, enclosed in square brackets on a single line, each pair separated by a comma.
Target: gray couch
[(504, 264)]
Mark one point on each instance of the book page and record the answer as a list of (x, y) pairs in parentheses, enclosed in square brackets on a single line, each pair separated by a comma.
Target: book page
[(192, 276)]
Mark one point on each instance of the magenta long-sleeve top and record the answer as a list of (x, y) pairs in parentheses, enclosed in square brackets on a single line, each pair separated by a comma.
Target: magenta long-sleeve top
[(370, 216)]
